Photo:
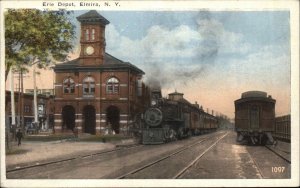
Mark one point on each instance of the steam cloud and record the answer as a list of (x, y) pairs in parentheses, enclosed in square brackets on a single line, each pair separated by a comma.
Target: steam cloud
[(164, 73)]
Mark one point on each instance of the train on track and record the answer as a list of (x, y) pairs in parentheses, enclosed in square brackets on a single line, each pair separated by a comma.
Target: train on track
[(255, 118), (173, 118), (255, 121)]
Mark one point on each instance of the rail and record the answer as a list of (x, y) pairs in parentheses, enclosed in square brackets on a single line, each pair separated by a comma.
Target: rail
[(180, 150), (39, 164)]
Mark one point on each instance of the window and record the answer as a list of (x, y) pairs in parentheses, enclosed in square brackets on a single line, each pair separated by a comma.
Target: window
[(88, 85), (139, 88), (26, 108), (112, 86), (93, 34), (87, 35), (69, 85)]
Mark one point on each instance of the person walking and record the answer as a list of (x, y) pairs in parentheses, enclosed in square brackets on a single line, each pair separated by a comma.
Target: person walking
[(19, 137)]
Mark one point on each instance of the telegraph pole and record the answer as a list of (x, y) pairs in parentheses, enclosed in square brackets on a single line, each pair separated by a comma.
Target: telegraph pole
[(22, 103), (35, 97), (19, 100), (12, 99)]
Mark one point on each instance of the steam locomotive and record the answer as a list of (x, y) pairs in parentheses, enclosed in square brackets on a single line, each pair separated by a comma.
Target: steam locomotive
[(173, 118)]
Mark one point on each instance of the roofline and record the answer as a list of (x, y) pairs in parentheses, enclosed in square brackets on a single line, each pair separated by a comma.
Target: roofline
[(264, 99)]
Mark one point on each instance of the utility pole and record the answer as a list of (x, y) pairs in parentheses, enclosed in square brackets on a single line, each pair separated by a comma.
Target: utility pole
[(12, 99), (35, 97), (19, 100), (22, 103)]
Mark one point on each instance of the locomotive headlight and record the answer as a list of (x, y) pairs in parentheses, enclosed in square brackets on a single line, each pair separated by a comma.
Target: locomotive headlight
[(153, 102)]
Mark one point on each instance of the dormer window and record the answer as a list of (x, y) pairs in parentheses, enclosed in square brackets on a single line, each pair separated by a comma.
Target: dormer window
[(112, 86), (87, 35), (69, 85)]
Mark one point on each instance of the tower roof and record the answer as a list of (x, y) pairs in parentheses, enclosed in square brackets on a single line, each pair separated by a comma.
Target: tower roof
[(92, 16)]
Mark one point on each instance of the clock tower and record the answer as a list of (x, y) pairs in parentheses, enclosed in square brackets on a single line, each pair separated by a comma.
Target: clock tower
[(92, 39)]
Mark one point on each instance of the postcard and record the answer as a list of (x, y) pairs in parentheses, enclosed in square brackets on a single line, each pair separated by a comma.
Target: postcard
[(149, 93)]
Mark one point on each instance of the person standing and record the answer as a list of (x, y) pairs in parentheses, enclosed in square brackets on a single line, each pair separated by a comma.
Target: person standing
[(19, 137)]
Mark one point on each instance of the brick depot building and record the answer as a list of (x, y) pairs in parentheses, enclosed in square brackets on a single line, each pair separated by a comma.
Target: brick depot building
[(97, 93)]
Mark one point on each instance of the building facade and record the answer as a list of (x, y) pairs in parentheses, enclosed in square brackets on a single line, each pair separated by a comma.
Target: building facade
[(97, 93), (24, 111)]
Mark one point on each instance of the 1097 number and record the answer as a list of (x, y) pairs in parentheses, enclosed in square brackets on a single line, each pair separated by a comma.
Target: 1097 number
[(279, 169)]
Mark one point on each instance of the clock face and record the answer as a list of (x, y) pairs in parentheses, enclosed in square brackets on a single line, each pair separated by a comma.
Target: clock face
[(89, 50)]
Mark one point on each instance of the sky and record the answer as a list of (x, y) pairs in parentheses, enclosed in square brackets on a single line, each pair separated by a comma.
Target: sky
[(210, 56)]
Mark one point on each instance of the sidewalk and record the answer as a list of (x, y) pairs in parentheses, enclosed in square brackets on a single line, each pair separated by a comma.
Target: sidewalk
[(39, 152)]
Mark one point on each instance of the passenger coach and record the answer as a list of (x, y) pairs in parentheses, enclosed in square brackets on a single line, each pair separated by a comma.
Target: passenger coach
[(255, 117)]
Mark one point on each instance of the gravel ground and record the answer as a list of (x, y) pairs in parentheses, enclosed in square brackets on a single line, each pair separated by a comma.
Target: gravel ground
[(227, 160), (102, 166), (43, 151)]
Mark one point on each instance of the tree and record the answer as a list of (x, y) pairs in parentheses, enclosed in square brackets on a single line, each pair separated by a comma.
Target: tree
[(36, 37)]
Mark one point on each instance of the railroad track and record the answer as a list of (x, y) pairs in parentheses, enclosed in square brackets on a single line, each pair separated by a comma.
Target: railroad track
[(182, 149), (181, 173), (39, 164), (278, 154), (261, 165)]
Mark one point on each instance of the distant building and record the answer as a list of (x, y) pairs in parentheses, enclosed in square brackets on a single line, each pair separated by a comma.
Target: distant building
[(97, 93), (24, 108), (41, 91)]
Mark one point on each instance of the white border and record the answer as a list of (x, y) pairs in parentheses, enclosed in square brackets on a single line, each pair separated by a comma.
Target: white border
[(232, 5)]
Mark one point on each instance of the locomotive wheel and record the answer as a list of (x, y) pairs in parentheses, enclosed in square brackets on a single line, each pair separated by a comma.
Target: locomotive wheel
[(172, 135), (180, 133)]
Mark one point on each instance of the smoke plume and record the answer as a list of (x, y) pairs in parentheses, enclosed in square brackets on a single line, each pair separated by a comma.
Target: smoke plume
[(180, 70)]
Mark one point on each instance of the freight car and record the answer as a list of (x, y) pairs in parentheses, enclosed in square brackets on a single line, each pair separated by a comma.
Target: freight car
[(255, 118), (283, 128), (174, 118)]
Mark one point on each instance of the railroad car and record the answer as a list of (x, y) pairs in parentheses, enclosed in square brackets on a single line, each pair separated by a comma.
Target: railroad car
[(283, 128), (174, 118), (255, 117)]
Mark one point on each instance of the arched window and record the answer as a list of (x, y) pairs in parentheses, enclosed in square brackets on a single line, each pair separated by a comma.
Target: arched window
[(88, 85), (69, 85), (112, 86), (87, 35), (93, 34)]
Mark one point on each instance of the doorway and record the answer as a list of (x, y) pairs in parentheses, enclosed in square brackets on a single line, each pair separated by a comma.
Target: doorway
[(113, 118), (89, 115), (254, 117), (68, 114)]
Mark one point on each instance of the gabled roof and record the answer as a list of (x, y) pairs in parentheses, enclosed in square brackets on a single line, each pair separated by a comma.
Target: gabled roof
[(110, 62), (92, 16)]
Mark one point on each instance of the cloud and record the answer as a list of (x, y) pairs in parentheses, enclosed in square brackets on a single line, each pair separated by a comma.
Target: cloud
[(178, 55), (218, 39), (209, 57)]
